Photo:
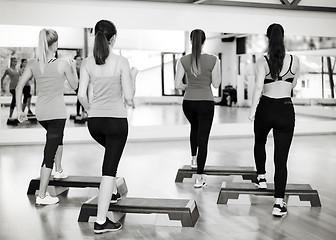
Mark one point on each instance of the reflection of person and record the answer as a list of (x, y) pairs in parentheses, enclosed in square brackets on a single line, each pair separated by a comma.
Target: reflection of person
[(13, 74), (50, 74), (202, 70), (26, 89), (272, 108), (105, 87), (78, 60)]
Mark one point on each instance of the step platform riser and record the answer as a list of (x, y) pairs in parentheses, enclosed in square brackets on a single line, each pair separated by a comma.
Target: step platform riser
[(233, 190), (247, 173)]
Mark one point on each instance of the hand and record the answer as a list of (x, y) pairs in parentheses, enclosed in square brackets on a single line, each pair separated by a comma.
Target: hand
[(251, 116), (72, 62), (129, 103), (22, 117)]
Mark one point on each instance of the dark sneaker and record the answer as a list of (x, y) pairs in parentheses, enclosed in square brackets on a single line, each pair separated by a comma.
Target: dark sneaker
[(279, 211), (261, 183), (30, 113), (108, 226), (115, 197)]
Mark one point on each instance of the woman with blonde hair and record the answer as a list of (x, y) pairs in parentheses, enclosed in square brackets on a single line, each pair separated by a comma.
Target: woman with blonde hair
[(50, 74)]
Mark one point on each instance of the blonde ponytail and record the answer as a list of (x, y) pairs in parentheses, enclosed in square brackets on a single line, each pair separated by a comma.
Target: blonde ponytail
[(42, 49), (46, 38)]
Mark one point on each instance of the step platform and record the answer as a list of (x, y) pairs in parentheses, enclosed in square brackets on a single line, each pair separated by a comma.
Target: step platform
[(80, 120), (32, 119), (232, 191), (75, 182), (184, 210), (12, 121), (247, 173)]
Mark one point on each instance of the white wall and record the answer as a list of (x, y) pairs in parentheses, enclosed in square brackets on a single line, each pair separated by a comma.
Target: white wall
[(164, 16), (27, 36)]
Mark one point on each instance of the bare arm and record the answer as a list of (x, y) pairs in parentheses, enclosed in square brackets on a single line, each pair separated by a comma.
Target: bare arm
[(25, 77), (179, 77), (84, 86), (297, 71), (258, 87), (2, 79), (216, 75), (127, 82), (70, 73)]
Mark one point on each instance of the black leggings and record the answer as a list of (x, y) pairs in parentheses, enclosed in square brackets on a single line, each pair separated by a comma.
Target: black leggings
[(55, 132), (13, 102), (26, 93), (276, 114), (200, 115), (78, 105), (111, 133)]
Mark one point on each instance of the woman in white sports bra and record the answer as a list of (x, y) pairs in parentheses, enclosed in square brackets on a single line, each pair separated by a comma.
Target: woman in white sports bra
[(272, 108)]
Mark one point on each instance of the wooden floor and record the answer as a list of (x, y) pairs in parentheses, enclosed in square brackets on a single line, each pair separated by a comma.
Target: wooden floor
[(149, 169)]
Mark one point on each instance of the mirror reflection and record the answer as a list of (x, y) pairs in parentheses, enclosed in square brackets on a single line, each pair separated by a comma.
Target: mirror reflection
[(155, 54)]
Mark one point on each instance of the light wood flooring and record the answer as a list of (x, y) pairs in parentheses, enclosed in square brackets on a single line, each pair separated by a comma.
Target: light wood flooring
[(149, 169)]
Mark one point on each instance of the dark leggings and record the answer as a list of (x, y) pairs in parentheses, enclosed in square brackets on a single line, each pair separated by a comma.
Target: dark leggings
[(200, 115), (276, 114), (26, 93), (13, 102), (78, 105), (55, 132), (111, 133)]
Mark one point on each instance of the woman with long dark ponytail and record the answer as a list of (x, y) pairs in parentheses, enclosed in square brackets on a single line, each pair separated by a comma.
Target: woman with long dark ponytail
[(272, 108), (202, 71), (106, 86)]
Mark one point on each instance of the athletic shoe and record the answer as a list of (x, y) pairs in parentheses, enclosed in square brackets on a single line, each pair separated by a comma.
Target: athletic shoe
[(78, 118), (200, 182), (47, 200), (59, 175), (108, 226), (115, 197), (30, 113), (261, 183), (193, 164), (279, 211)]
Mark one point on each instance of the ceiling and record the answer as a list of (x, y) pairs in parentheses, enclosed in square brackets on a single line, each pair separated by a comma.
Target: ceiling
[(304, 5)]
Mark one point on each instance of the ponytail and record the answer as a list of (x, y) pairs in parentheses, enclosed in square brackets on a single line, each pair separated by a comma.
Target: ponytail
[(42, 49), (276, 49), (197, 38), (101, 48), (47, 37), (104, 31)]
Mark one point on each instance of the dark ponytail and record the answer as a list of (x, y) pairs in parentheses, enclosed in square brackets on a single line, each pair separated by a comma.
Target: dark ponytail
[(276, 48), (197, 38), (104, 31)]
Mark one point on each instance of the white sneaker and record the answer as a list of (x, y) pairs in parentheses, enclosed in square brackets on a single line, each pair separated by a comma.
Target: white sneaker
[(193, 164), (200, 182), (261, 183), (59, 175), (47, 200)]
